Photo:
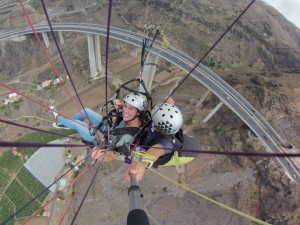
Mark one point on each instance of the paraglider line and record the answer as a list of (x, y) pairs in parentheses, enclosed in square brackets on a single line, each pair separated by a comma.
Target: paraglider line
[(212, 47), (38, 103), (86, 193), (54, 197), (48, 57), (106, 96), (251, 218), (73, 197), (106, 60), (42, 192), (64, 63), (249, 154), (34, 144), (36, 129)]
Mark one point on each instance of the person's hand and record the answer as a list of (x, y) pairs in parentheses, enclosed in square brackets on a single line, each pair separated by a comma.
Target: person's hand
[(118, 104), (139, 77), (99, 154), (137, 169), (169, 100), (110, 156)]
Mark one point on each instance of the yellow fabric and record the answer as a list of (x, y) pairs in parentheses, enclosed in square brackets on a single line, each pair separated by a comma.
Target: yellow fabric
[(176, 160), (144, 155)]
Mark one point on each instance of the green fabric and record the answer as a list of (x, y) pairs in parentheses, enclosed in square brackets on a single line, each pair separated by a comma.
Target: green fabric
[(176, 160)]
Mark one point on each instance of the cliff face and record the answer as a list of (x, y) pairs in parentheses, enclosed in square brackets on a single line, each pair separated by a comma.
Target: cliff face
[(278, 195), (259, 57)]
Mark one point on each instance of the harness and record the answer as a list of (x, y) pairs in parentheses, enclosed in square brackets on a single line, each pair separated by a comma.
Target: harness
[(141, 82), (179, 141), (114, 117), (125, 148)]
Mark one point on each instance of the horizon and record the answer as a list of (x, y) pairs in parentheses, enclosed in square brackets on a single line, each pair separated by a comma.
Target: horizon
[(288, 8)]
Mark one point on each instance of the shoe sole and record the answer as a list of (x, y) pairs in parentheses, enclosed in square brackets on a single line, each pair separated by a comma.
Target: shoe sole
[(58, 127)]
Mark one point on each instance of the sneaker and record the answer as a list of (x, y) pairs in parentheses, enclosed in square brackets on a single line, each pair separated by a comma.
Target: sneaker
[(53, 113), (60, 126)]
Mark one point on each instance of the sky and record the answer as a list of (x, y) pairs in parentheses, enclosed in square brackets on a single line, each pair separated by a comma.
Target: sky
[(289, 8)]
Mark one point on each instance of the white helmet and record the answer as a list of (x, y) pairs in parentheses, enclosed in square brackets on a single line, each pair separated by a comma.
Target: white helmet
[(167, 118), (137, 100)]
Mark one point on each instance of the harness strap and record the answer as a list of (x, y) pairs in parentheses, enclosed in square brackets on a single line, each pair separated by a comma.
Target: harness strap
[(126, 130), (123, 149), (163, 160), (144, 157)]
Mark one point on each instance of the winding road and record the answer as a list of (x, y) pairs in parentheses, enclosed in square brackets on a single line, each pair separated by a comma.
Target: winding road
[(229, 96)]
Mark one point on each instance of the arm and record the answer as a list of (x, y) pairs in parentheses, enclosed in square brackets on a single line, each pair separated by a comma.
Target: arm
[(99, 154), (138, 169), (112, 151), (169, 100)]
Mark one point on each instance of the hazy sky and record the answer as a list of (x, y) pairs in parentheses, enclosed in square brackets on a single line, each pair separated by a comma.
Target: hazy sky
[(289, 8)]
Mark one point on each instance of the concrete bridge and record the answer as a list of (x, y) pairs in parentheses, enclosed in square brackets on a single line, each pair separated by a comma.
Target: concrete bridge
[(227, 95)]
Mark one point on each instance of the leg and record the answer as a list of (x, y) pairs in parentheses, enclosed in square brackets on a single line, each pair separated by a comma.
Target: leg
[(95, 117), (78, 125)]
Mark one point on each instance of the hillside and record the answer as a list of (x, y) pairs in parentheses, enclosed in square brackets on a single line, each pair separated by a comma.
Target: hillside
[(260, 58)]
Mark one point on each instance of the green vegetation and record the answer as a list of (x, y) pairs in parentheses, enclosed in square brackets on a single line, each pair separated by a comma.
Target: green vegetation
[(221, 65), (53, 90), (21, 191), (158, 70), (40, 137), (32, 184), (16, 104), (15, 193), (10, 163), (209, 63), (4, 180), (235, 65), (189, 121), (169, 63), (19, 196), (6, 209)]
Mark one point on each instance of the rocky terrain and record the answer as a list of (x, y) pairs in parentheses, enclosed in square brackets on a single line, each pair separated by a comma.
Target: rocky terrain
[(260, 58)]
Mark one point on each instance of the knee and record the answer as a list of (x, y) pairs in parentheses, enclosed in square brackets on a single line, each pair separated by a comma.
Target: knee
[(86, 111)]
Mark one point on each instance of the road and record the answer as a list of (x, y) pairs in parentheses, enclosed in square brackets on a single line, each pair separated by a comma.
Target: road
[(229, 96)]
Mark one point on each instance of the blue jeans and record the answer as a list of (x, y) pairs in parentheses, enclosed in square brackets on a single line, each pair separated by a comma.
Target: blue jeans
[(77, 123)]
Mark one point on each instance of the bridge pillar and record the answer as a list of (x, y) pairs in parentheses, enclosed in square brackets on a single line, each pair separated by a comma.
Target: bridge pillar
[(3, 49), (202, 98), (98, 55), (92, 59), (149, 71), (61, 38), (46, 39), (212, 112)]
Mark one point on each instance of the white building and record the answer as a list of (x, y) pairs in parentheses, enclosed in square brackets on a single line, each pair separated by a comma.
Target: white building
[(46, 83), (57, 81), (46, 163), (13, 97)]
